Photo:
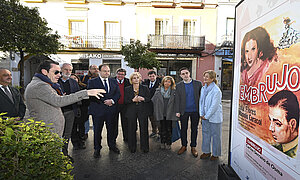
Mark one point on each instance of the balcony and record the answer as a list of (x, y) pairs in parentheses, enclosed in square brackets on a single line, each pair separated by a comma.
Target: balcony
[(176, 43), (113, 43)]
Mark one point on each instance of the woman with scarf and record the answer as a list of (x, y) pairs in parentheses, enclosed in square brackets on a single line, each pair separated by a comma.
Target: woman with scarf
[(211, 116), (164, 110)]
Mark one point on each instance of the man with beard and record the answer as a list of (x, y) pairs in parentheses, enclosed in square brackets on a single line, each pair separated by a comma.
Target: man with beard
[(68, 86)]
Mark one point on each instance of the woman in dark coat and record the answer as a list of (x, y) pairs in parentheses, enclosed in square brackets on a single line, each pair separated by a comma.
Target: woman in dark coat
[(137, 98), (164, 110)]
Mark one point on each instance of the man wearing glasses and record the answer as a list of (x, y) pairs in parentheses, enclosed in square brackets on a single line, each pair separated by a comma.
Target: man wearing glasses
[(44, 97), (121, 109)]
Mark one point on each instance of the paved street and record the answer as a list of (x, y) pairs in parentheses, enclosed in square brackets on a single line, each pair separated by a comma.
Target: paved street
[(157, 164)]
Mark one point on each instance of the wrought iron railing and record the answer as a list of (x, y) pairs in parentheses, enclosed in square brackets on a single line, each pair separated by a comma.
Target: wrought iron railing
[(176, 41), (93, 42)]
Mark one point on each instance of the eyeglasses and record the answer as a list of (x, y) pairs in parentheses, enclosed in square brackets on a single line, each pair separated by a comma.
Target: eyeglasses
[(121, 74), (57, 72)]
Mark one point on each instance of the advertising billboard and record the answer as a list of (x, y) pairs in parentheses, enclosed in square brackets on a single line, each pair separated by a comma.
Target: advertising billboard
[(266, 90)]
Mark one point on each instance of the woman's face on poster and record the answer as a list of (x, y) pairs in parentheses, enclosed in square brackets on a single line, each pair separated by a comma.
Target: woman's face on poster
[(279, 126), (251, 52)]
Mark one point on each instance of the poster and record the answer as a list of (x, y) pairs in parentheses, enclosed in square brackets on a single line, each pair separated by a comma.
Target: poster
[(266, 90)]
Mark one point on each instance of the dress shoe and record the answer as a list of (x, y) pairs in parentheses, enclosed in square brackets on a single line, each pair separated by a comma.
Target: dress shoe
[(194, 152), (213, 158), (132, 150), (145, 151), (181, 150), (114, 149), (97, 153), (205, 155)]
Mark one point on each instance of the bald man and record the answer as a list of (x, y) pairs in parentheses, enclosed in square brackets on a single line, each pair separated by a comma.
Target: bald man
[(11, 100)]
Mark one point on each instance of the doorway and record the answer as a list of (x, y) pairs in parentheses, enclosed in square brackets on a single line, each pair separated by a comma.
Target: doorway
[(171, 68)]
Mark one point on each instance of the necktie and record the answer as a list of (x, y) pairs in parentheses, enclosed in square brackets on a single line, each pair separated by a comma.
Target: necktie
[(151, 84), (105, 85), (8, 93)]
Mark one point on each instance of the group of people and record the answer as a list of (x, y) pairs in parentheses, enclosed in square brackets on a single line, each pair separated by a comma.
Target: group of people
[(64, 101)]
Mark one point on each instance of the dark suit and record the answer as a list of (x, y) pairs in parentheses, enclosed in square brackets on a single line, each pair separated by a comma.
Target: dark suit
[(102, 113), (180, 107), (152, 91), (138, 111), (85, 105), (68, 87), (13, 109), (121, 109)]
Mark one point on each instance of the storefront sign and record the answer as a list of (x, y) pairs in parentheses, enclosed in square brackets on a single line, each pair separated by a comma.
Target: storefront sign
[(100, 56)]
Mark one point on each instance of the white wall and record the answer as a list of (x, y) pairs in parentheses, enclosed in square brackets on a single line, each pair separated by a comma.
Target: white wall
[(225, 10)]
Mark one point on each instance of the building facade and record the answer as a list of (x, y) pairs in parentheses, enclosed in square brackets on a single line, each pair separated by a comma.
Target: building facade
[(181, 32), (224, 46)]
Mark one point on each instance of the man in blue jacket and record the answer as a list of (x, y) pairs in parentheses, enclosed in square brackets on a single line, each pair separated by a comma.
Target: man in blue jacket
[(104, 110)]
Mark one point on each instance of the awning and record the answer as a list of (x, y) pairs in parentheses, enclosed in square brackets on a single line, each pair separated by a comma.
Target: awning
[(227, 59)]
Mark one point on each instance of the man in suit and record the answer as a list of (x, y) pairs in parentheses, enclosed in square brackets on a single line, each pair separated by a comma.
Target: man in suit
[(152, 83), (187, 106), (93, 73), (121, 108), (11, 100), (68, 86), (104, 110)]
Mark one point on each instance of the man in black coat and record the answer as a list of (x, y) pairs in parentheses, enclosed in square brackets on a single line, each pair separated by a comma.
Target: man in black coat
[(11, 100), (152, 83), (187, 107), (68, 86), (121, 108), (93, 73)]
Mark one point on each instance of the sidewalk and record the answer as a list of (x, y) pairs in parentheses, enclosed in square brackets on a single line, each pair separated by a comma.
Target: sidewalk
[(157, 164)]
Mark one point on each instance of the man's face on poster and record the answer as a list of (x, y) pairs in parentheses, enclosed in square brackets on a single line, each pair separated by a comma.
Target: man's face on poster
[(282, 130), (251, 52)]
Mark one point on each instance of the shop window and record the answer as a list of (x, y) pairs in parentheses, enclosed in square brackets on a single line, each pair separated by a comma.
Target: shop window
[(113, 64)]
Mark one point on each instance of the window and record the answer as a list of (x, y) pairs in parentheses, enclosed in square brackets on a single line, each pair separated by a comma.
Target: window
[(77, 33), (112, 34), (77, 27), (161, 26), (113, 64), (229, 26), (189, 27)]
